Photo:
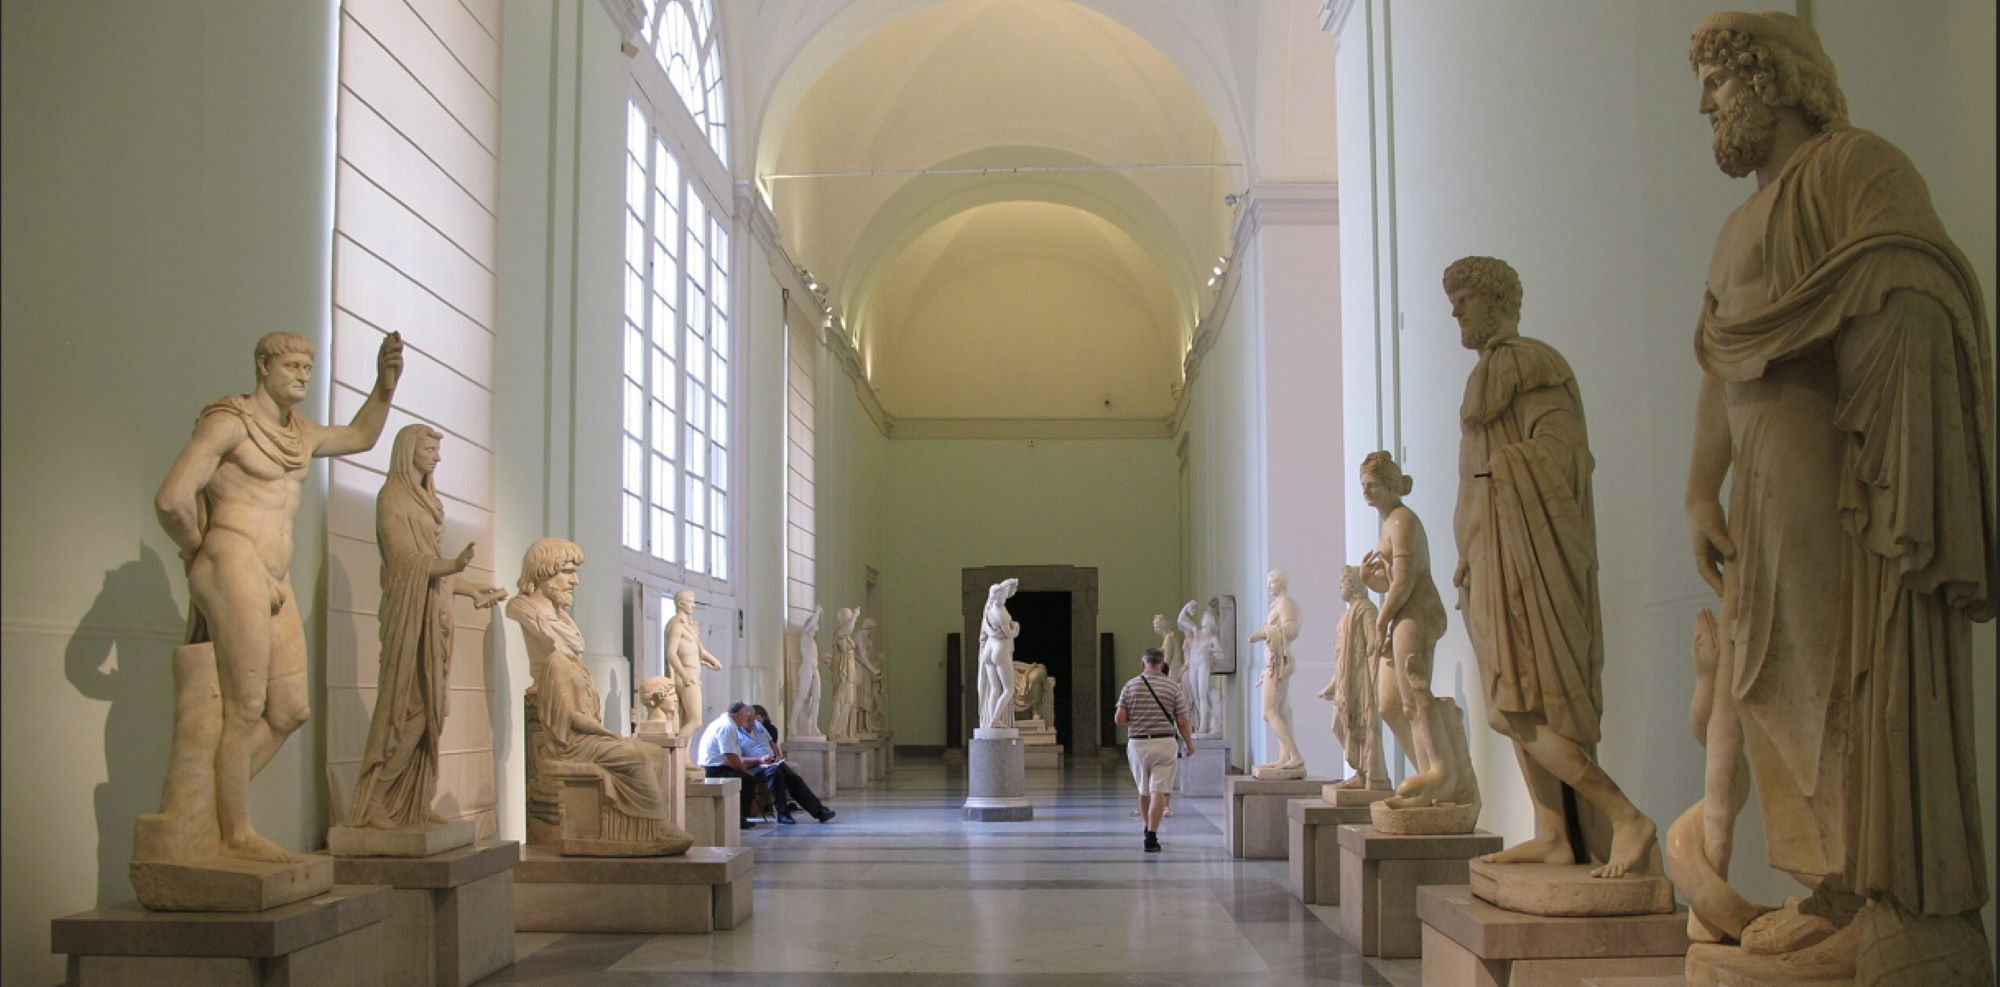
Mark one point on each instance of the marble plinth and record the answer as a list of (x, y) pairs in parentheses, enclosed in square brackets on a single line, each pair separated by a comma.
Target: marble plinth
[(1379, 877), (450, 918), (1202, 773), (1353, 797), (408, 841), (878, 762), (1042, 758), (673, 767), (1314, 843), (813, 760), (1254, 828), (706, 889), (1428, 820), (850, 760), (1569, 890), (888, 752), (1467, 941), (715, 812), (1269, 772), (223, 884), (997, 779), (328, 940)]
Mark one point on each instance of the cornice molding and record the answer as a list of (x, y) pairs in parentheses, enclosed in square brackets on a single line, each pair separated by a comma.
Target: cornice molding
[(1031, 428), (1285, 203), (628, 16)]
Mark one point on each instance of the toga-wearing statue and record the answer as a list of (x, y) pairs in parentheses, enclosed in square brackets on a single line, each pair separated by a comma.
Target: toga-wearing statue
[(1357, 722), (868, 684), (1034, 693), (1846, 363), (842, 723), (399, 764), (1526, 529)]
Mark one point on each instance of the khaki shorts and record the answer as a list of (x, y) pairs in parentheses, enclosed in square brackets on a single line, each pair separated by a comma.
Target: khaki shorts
[(1155, 763)]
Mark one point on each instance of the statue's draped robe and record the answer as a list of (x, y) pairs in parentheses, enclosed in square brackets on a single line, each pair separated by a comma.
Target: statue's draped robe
[(399, 764), (563, 688), (846, 689), (1354, 713), (284, 445), (1906, 522), (1526, 531)]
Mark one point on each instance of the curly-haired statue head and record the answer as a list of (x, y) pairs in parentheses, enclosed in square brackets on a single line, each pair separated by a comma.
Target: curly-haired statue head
[(1485, 296), (548, 558), (1776, 58)]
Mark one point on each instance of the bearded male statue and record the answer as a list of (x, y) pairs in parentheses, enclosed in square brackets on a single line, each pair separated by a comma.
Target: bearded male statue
[(1845, 358)]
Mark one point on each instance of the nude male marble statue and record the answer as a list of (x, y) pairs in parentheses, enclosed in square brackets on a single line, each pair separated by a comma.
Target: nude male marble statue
[(1846, 358), (1526, 531), (1281, 627), (686, 657), (229, 502)]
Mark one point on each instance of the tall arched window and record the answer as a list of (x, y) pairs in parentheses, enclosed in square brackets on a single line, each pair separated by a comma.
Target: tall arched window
[(682, 36)]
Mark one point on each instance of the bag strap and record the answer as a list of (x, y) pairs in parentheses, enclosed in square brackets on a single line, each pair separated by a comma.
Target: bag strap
[(1162, 705)]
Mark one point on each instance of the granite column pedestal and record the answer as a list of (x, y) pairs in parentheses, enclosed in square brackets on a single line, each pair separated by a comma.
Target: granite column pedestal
[(996, 789)]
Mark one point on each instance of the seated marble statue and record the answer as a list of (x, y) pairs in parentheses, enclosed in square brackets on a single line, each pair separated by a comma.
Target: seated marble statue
[(1034, 692), (633, 815)]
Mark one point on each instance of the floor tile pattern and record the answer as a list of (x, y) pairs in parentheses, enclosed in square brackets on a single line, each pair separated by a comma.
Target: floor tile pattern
[(900, 889)]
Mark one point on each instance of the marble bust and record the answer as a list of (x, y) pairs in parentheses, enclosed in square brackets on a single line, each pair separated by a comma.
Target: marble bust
[(1526, 531), (399, 763), (997, 631), (1357, 721), (804, 717), (1846, 368), (568, 738), (1204, 707), (1281, 627), (229, 502), (659, 699)]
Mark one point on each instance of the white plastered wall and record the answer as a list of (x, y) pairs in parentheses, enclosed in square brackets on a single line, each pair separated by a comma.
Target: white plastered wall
[(1563, 137)]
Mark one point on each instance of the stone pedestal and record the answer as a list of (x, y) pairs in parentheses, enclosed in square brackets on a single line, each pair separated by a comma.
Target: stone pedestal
[(1202, 773), (1314, 830), (1569, 890), (330, 940), (715, 812), (705, 890), (1042, 750), (673, 768), (876, 763), (1353, 797), (813, 760), (450, 916), (1470, 942), (888, 752), (1379, 877), (408, 841), (850, 758), (1254, 826), (223, 884), (997, 785)]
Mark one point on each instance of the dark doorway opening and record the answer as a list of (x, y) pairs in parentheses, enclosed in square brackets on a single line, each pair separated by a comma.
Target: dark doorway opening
[(1044, 620)]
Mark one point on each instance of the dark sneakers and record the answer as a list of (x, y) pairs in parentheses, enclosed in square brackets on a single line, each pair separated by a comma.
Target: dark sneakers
[(785, 819), (1152, 842), (826, 816)]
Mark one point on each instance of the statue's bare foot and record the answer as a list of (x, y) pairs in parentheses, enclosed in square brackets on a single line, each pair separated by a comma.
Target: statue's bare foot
[(1632, 842), (1421, 785), (1540, 850), (250, 846), (1352, 783)]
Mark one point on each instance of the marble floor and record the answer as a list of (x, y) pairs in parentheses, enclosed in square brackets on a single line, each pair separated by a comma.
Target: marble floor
[(899, 888)]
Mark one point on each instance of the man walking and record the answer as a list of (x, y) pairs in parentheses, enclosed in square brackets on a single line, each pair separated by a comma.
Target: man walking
[(1150, 707)]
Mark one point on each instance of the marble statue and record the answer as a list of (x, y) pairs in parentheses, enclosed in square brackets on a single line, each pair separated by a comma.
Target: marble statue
[(686, 657), (1846, 364), (1357, 721), (1170, 648), (997, 631), (846, 657), (1526, 531), (804, 717), (1429, 729), (1034, 693), (567, 737), (1281, 627), (660, 700), (399, 764), (1204, 706), (868, 684), (240, 681)]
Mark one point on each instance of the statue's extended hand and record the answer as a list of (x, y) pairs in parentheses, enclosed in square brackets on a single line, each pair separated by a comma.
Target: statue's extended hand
[(1461, 577), (710, 661), (389, 364), (1712, 546), (488, 596), (464, 559)]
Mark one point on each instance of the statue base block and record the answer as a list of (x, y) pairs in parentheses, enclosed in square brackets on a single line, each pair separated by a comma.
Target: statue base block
[(673, 768), (1469, 942), (813, 759), (1202, 773), (1272, 772), (997, 778), (1255, 826), (1042, 758), (450, 918), (225, 884), (1380, 874), (705, 890), (1425, 820), (851, 764), (1569, 890), (1354, 797), (426, 840), (1314, 830), (327, 940), (715, 812)]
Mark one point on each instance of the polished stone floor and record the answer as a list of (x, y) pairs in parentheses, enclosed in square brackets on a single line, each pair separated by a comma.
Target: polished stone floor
[(898, 888)]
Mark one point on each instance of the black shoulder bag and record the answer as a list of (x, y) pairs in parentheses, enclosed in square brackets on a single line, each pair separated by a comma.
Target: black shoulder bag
[(1180, 750)]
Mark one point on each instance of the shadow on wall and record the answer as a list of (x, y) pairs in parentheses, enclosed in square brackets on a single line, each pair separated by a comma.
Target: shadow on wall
[(502, 699), (122, 654)]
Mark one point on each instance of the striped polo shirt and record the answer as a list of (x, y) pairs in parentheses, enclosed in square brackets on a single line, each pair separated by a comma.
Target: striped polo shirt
[(1143, 716)]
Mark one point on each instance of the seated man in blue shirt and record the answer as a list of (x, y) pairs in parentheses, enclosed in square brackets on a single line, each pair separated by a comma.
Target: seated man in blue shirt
[(730, 749)]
